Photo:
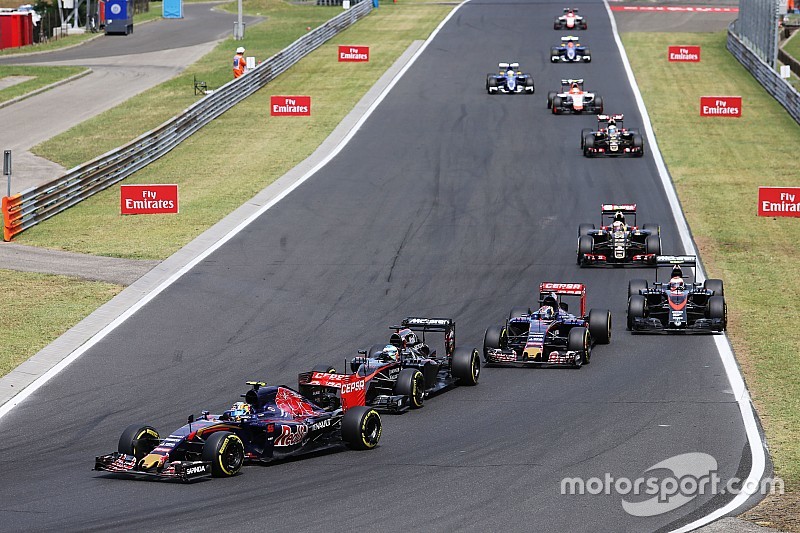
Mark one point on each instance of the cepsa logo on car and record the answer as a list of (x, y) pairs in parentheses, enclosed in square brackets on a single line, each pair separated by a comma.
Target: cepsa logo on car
[(721, 106), (347, 388), (290, 106), (684, 54), (290, 435), (353, 54), (570, 288)]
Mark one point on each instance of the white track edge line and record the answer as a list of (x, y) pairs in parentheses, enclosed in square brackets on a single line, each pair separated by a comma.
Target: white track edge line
[(739, 389), (100, 335)]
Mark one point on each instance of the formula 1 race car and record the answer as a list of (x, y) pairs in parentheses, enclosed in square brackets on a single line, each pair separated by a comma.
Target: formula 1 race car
[(618, 241), (570, 20), (403, 373), (509, 80), (676, 306), (570, 51), (611, 138), (572, 98), (550, 335), (272, 423)]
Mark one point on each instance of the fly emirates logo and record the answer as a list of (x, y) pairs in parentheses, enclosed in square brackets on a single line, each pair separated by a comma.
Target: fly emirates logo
[(290, 106)]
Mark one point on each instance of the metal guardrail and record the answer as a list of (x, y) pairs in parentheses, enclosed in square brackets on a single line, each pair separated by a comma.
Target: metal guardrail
[(779, 88), (39, 203)]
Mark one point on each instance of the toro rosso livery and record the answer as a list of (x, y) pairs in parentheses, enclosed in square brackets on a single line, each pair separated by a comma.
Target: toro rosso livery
[(272, 423), (611, 138), (509, 80), (570, 51), (618, 241), (573, 99), (401, 374), (676, 306), (549, 335), (570, 20)]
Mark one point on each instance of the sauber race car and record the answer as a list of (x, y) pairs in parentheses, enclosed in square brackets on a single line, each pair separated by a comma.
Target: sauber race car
[(611, 138), (676, 306), (574, 99), (549, 335), (509, 80), (570, 51), (618, 241), (272, 423), (401, 374), (570, 20)]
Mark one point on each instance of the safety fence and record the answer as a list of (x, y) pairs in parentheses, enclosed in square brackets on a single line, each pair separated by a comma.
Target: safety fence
[(28, 208), (757, 27)]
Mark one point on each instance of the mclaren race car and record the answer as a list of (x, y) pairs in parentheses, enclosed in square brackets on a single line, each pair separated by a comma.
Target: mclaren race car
[(570, 20), (570, 51), (551, 334), (618, 241), (399, 375), (611, 138), (272, 423), (572, 98), (677, 306), (509, 80)]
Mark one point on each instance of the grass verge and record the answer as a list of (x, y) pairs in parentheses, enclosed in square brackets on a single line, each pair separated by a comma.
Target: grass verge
[(42, 76), (717, 165)]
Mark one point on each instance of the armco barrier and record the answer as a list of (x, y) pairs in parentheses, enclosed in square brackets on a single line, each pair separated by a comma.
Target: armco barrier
[(39, 203), (766, 75)]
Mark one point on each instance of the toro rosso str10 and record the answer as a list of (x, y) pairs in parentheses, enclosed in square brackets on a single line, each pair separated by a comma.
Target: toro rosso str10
[(618, 241), (570, 20), (572, 98), (400, 375), (272, 423), (677, 306), (509, 80), (551, 334), (611, 138), (570, 51)]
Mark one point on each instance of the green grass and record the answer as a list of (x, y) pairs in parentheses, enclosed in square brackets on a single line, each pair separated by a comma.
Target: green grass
[(793, 46), (42, 76), (717, 165)]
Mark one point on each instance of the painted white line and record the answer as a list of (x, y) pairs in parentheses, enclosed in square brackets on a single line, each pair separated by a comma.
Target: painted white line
[(61, 365), (758, 465)]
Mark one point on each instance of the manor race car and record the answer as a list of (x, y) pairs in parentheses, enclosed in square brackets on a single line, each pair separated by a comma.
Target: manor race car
[(549, 335), (572, 98), (272, 423), (677, 306), (611, 138), (570, 20), (570, 51), (402, 374), (509, 80), (618, 241)]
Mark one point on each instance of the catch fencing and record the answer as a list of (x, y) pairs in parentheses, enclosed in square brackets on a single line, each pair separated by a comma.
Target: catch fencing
[(757, 27), (34, 205)]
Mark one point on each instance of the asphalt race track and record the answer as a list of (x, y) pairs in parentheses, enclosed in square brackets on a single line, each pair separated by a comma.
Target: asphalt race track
[(448, 202)]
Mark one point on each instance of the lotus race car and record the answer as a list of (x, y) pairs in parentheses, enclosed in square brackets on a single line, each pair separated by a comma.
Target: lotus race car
[(616, 242), (676, 306), (574, 99), (611, 138), (570, 20), (509, 80), (550, 335), (570, 51), (400, 375), (272, 423)]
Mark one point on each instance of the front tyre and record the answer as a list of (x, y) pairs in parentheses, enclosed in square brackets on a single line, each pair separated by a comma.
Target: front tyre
[(361, 428), (411, 383), (225, 451), (466, 366), (636, 304), (138, 440), (578, 341)]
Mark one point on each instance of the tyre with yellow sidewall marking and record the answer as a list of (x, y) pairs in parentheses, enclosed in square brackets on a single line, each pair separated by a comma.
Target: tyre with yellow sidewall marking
[(411, 383), (361, 428), (138, 440), (225, 451)]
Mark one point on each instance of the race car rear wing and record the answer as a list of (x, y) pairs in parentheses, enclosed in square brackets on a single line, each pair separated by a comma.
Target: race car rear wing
[(565, 289), (428, 325), (351, 387), (514, 65), (673, 261), (571, 80), (570, 38), (568, 9), (604, 118), (627, 209)]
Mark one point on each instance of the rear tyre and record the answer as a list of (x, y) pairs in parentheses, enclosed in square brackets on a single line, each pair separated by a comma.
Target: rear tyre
[(225, 451), (517, 312), (556, 105), (600, 325), (138, 440), (550, 96), (636, 285), (466, 366), (652, 244), (598, 105), (638, 142), (588, 143), (361, 428), (584, 133), (635, 309), (578, 341), (585, 246), (411, 383), (714, 285)]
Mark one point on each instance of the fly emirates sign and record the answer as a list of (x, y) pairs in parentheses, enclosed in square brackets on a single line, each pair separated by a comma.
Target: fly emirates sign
[(148, 199), (690, 54), (721, 106), (779, 201), (290, 106), (353, 54)]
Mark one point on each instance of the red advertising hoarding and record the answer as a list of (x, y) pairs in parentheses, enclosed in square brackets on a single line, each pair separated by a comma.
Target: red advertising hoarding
[(355, 54), (683, 53), (779, 201), (290, 106), (721, 106), (148, 199)]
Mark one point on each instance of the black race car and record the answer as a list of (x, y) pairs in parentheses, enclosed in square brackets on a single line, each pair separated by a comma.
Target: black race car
[(573, 99), (618, 241), (272, 423), (611, 138), (570, 51), (509, 80), (400, 375), (677, 306), (550, 335), (570, 20)]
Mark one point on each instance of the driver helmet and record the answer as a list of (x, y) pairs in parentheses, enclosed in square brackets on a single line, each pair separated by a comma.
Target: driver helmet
[(612, 129), (412, 339), (390, 353), (618, 226), (546, 312), (619, 219), (575, 88), (240, 410), (570, 44), (676, 284)]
